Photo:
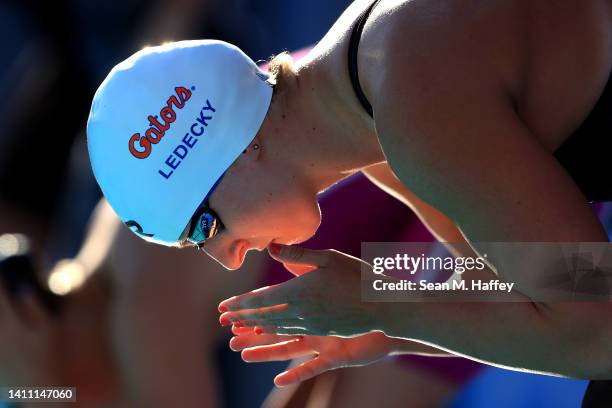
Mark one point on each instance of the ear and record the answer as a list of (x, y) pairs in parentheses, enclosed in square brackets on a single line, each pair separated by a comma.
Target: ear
[(253, 150)]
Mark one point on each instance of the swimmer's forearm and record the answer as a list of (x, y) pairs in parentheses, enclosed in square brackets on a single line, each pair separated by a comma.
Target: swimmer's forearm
[(553, 339)]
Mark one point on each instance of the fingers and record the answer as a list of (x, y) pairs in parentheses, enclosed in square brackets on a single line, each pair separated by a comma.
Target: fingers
[(254, 336), (286, 350), (258, 298), (252, 339), (272, 324), (239, 330), (290, 254), (303, 371), (298, 269), (282, 311), (283, 331)]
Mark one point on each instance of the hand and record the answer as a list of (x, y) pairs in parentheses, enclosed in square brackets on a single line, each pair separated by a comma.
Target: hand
[(326, 352), (324, 301)]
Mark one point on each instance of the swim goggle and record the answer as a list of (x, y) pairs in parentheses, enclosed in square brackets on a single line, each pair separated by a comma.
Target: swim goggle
[(205, 223)]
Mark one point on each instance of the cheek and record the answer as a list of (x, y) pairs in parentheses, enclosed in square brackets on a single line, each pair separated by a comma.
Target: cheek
[(291, 217), (298, 216), (245, 213), (276, 208)]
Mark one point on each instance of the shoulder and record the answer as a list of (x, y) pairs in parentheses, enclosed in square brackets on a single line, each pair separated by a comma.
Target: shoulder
[(424, 43), (412, 48), (446, 117), (432, 69)]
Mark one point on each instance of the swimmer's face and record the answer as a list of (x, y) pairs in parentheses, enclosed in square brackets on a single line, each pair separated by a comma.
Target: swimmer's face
[(258, 203)]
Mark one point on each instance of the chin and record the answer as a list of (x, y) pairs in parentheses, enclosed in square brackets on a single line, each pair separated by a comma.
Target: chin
[(232, 265)]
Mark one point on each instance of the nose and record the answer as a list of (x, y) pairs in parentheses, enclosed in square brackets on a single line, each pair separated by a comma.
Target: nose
[(229, 254)]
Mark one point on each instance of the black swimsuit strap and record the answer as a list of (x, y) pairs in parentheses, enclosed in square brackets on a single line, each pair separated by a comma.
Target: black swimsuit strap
[(352, 59)]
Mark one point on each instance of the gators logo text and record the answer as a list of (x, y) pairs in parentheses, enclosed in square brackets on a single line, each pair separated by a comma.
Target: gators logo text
[(158, 128)]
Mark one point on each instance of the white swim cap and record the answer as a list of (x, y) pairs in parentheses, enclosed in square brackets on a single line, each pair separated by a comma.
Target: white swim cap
[(166, 124)]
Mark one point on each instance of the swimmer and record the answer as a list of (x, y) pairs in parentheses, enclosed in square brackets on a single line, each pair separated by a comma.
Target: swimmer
[(487, 118)]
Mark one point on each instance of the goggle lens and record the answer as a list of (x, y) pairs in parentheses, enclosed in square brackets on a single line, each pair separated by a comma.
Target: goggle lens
[(207, 226)]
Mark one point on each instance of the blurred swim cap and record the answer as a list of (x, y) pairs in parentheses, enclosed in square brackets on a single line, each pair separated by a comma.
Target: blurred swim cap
[(166, 124)]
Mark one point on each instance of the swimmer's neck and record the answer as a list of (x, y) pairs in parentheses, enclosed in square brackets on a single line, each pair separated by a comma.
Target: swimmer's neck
[(318, 129)]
